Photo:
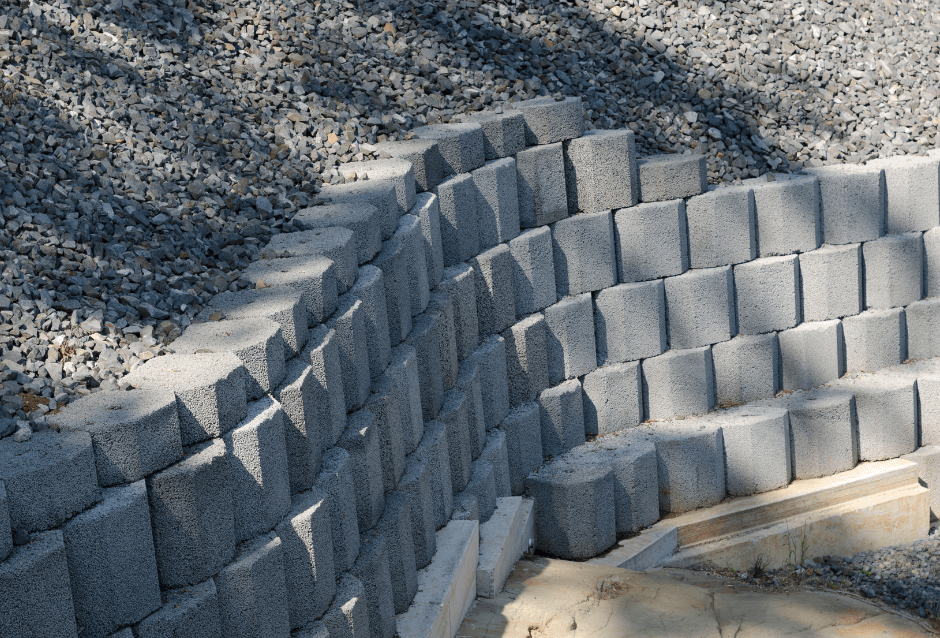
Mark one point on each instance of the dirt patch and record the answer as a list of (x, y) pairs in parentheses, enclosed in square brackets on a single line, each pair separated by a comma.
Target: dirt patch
[(31, 402)]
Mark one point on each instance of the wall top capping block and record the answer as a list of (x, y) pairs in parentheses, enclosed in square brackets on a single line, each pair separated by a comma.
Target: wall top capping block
[(721, 224), (549, 120), (787, 213), (672, 176), (461, 145), (503, 132), (852, 202), (380, 193), (398, 171), (425, 158), (913, 192)]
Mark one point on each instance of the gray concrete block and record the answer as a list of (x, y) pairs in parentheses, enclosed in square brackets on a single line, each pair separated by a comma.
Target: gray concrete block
[(852, 202), (258, 469), (491, 358), (252, 591), (571, 345), (385, 408), (533, 262), (380, 193), (427, 208), (466, 507), (434, 450), (700, 308), (832, 282), (573, 513), (630, 322), (722, 228), (415, 485), (651, 241), (361, 441), (460, 282), (497, 202), (523, 430), (540, 181), (893, 270), (787, 211), (678, 383), (886, 406), (549, 120), (462, 145), (442, 308), (394, 261), (398, 171), (425, 158), (561, 411), (370, 289), (875, 339), (403, 367), (6, 536), (425, 339), (112, 568), (503, 133), (209, 389), (912, 192), (768, 294), (471, 385), (613, 398), (335, 243), (349, 328), (932, 263), (811, 354), (134, 433), (395, 526), (923, 329), (460, 230), (337, 482), (284, 306), (482, 486), (747, 369), (496, 453), (49, 479), (348, 616), (315, 278), (193, 611), (410, 235), (691, 464), (453, 415), (927, 459), (671, 176), (37, 598), (362, 218), (757, 450), (372, 570), (192, 516), (824, 431), (329, 396), (303, 440), (307, 547), (526, 358), (496, 297), (584, 253)]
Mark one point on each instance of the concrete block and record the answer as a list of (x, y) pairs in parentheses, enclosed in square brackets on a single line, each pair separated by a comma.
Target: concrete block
[(348, 325), (460, 233), (811, 354), (928, 406), (192, 516), (526, 359), (497, 202), (209, 389), (381, 193), (671, 176), (460, 283), (394, 260), (503, 133), (462, 145), (572, 509), (385, 408), (6, 536), (49, 479), (927, 459), (112, 568), (651, 241), (329, 396), (425, 158), (482, 486), (722, 227), (403, 367), (193, 611), (852, 202), (912, 192), (571, 349), (372, 570), (252, 591), (496, 453), (832, 282), (886, 407), (503, 539), (533, 263), (395, 527), (496, 298), (37, 598), (307, 548), (584, 253), (434, 450), (923, 329), (361, 441), (415, 485), (335, 243), (787, 211), (494, 384), (370, 290), (630, 322), (427, 208), (523, 430), (540, 181), (337, 483), (757, 450), (470, 384), (315, 278), (284, 306), (348, 616), (875, 339), (303, 440), (691, 464), (453, 415), (466, 508), (613, 398), (824, 431), (258, 469), (442, 308), (134, 433), (700, 307), (561, 410), (257, 343), (410, 235), (932, 263), (747, 369), (768, 294), (678, 383), (425, 339), (549, 120), (893, 270), (362, 218), (397, 170)]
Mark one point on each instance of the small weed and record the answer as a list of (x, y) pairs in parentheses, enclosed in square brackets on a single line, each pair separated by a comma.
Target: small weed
[(760, 566)]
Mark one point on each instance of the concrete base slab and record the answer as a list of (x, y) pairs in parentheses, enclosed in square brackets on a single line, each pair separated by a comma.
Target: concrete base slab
[(503, 540), (648, 549)]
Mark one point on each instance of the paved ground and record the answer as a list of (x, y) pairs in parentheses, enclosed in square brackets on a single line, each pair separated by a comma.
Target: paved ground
[(546, 598)]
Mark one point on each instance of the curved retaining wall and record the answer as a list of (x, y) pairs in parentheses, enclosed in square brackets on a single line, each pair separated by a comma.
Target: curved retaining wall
[(454, 325)]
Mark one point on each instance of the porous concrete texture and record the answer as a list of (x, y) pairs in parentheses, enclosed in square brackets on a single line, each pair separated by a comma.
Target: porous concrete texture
[(893, 270), (385, 408), (886, 408), (757, 450), (399, 171), (912, 192), (315, 278), (49, 478), (482, 486), (549, 120), (252, 591), (193, 611), (824, 431), (336, 243), (561, 413), (722, 227), (434, 451), (651, 240), (613, 398), (460, 230), (283, 306), (747, 368), (415, 484), (691, 465), (540, 181), (258, 469), (209, 389), (700, 307), (496, 453), (257, 343), (571, 345), (370, 290), (442, 308), (349, 330), (533, 264), (923, 329), (832, 282), (503, 133), (678, 383), (526, 358), (460, 282), (425, 158), (491, 359), (583, 252), (630, 322), (394, 260), (362, 218), (927, 459), (348, 616), (379, 193), (469, 382), (314, 630), (453, 415), (852, 202), (427, 208), (497, 202), (601, 171), (875, 339), (329, 395), (425, 339), (811, 354), (303, 440), (361, 441), (462, 145), (372, 570), (768, 294), (523, 430), (574, 517), (112, 568), (336, 481), (395, 527), (466, 507), (403, 367), (671, 176), (493, 274), (412, 240), (787, 212), (191, 515), (932, 263), (134, 433), (6, 535), (928, 407)]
